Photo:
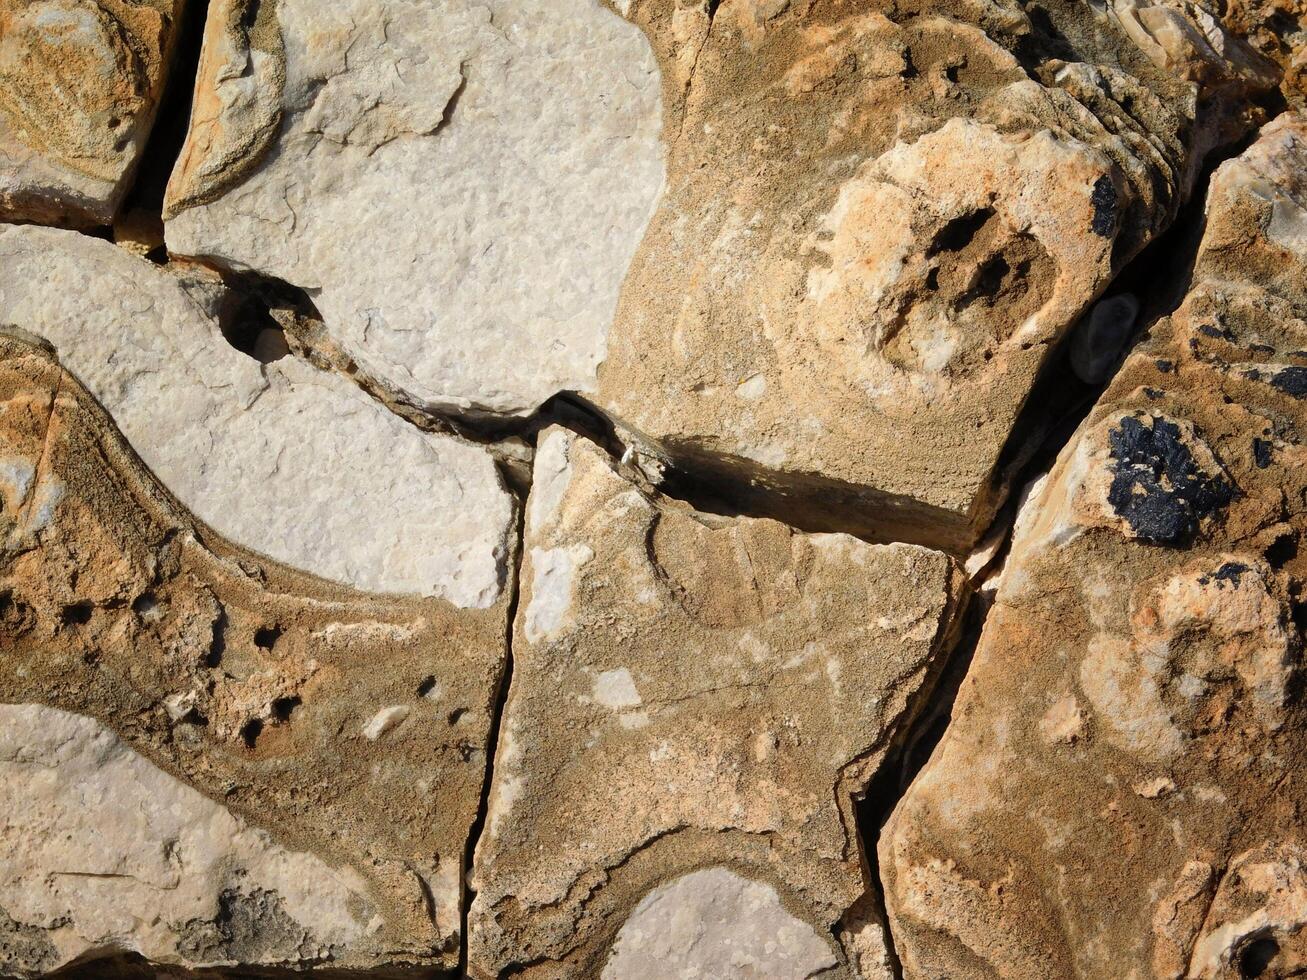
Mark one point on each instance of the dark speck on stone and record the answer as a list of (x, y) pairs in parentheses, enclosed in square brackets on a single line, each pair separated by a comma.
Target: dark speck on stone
[(1291, 381), (1212, 331), (1261, 453), (1156, 486), (1103, 199), (1166, 367), (1153, 393), (1230, 572)]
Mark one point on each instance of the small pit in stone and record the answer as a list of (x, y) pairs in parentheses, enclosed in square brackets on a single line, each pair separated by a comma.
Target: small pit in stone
[(249, 327), (1281, 551), (218, 643), (251, 731), (266, 637), (427, 686), (77, 614), (958, 233), (283, 708), (1257, 956)]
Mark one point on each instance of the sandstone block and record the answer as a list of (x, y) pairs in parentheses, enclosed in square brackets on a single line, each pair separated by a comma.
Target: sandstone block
[(80, 82), (880, 221)]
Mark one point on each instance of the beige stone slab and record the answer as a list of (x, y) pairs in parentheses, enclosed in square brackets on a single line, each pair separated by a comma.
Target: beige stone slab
[(459, 185), (1119, 793), (691, 693)]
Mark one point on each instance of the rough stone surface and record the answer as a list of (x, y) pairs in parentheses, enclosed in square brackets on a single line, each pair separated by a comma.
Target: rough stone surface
[(1119, 793), (690, 691), (713, 923), (459, 185), (249, 681), (1277, 28), (718, 333), (293, 462), (879, 221), (80, 82), (170, 874)]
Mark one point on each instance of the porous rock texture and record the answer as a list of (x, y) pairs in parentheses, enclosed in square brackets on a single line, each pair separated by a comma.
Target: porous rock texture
[(529, 499), (283, 458), (80, 83), (691, 692), (459, 185), (1120, 793), (880, 220), (334, 742)]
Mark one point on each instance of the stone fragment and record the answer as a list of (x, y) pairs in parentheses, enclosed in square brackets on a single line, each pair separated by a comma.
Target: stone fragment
[(1101, 337), (293, 462), (1278, 29), (695, 702), (879, 221), (80, 82), (1118, 793), (183, 763), (459, 185), (104, 848), (713, 923)]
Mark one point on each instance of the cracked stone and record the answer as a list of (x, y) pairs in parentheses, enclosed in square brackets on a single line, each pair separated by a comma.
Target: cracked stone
[(1117, 792), (189, 773), (687, 692), (459, 185)]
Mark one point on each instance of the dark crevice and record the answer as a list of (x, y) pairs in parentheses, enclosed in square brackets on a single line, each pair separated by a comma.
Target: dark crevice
[(498, 705), (141, 214), (1158, 277), (106, 965), (910, 752), (268, 317)]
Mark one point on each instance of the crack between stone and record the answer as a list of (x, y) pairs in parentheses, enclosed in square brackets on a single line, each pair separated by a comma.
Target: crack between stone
[(498, 707)]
